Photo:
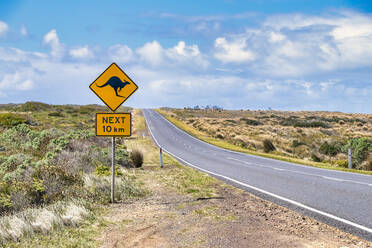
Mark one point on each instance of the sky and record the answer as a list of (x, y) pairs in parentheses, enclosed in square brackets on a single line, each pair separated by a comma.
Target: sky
[(251, 54)]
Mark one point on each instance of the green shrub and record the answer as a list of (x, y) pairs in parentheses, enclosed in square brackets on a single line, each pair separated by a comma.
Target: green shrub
[(360, 148), (315, 158), (231, 121), (56, 114), (33, 107), (342, 163), (251, 122), (368, 164), (291, 121), (330, 149), (137, 158), (310, 124), (10, 120), (268, 146), (122, 157), (296, 143), (219, 136), (103, 170)]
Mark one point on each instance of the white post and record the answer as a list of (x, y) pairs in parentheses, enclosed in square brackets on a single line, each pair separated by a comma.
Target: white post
[(161, 157), (113, 171), (349, 155)]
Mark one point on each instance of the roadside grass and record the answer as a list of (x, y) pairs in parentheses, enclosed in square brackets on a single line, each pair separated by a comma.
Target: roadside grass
[(85, 235), (183, 179), (223, 144)]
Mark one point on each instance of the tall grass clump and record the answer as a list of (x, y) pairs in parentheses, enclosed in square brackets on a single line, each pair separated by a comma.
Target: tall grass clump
[(15, 227), (268, 146), (137, 158), (99, 187)]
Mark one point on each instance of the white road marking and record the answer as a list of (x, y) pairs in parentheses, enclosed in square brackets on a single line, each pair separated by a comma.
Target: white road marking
[(302, 173), (369, 230), (334, 179)]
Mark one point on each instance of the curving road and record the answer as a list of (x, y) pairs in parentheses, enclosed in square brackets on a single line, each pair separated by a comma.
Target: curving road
[(341, 199)]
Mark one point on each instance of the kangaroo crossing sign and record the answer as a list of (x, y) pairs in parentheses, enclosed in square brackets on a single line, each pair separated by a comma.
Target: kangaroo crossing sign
[(113, 87)]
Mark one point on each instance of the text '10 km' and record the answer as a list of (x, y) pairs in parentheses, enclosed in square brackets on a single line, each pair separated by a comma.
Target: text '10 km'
[(112, 124)]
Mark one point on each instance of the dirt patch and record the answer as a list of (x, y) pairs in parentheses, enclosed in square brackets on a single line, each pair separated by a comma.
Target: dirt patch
[(231, 218)]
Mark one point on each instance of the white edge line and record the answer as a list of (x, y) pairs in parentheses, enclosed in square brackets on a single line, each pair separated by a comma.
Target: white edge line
[(271, 159), (369, 230)]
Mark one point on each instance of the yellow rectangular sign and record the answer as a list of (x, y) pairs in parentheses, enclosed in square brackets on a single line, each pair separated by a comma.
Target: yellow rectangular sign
[(113, 124)]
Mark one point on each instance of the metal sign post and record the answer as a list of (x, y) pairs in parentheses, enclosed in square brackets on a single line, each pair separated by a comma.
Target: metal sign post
[(113, 171), (113, 87)]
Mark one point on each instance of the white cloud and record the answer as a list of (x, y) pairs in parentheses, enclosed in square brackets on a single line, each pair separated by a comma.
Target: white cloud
[(183, 50), (25, 85), (81, 53), (16, 81), (3, 28), (120, 53), (151, 52), (234, 51), (51, 39), (185, 54), (179, 55), (276, 36), (23, 30), (300, 45)]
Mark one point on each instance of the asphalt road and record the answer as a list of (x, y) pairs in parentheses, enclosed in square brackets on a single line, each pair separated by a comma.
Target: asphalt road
[(341, 199)]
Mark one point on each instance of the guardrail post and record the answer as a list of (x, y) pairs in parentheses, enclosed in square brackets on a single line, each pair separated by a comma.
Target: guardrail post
[(161, 157), (349, 156)]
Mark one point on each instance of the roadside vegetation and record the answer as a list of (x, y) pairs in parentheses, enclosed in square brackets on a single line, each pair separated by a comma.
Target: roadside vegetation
[(55, 186), (54, 171), (312, 138)]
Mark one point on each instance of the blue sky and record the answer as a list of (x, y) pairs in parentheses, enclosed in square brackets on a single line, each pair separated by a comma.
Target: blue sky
[(284, 55)]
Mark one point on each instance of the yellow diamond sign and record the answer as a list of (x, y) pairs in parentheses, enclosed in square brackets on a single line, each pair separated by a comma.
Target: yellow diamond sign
[(113, 87)]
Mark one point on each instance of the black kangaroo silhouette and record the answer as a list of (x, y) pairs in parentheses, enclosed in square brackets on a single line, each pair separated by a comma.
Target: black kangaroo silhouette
[(116, 84)]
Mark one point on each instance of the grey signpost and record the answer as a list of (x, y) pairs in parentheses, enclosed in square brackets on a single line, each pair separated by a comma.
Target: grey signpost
[(113, 171)]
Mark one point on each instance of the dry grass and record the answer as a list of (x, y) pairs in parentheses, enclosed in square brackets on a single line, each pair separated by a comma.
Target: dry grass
[(241, 135), (181, 178), (41, 220)]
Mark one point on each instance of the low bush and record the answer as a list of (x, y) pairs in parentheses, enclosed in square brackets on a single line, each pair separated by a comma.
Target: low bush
[(299, 123), (315, 158), (268, 146), (137, 158), (296, 143), (10, 120), (220, 136), (251, 122), (330, 149), (33, 107), (368, 163), (360, 148), (342, 163), (104, 170), (56, 114), (122, 157), (231, 121)]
